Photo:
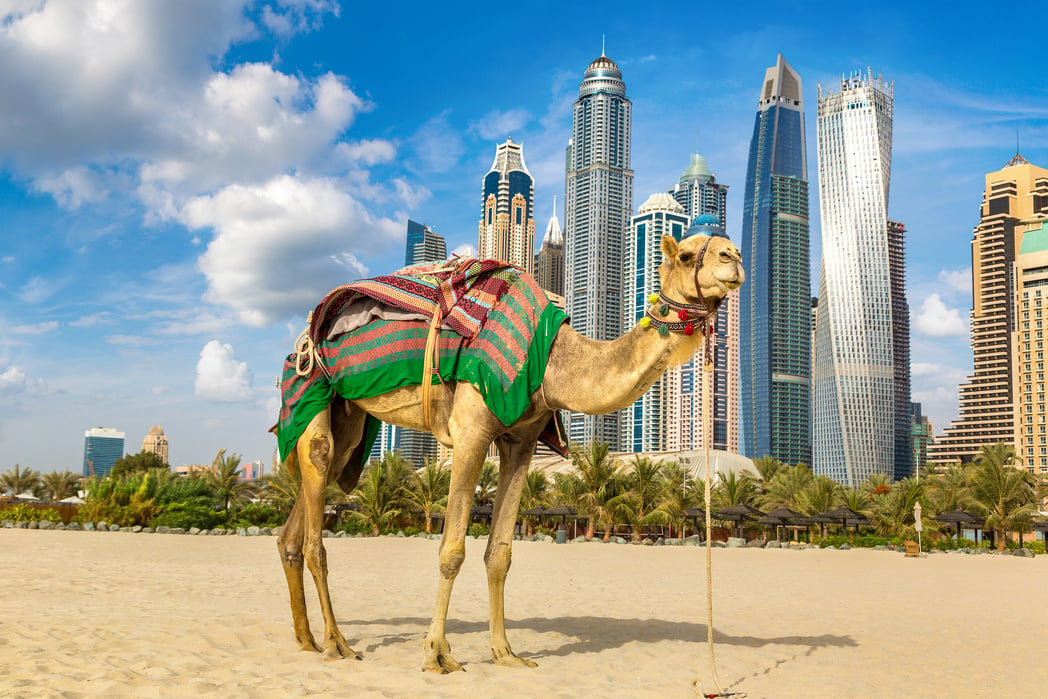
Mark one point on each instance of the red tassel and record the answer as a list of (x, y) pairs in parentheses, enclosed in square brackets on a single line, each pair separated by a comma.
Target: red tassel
[(682, 314), (689, 329)]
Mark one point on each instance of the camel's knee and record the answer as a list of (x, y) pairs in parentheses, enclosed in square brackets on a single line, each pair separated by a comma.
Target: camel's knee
[(499, 557), (320, 453), (451, 562), (290, 553)]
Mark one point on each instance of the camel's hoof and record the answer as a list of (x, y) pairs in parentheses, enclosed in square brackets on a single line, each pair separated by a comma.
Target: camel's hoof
[(439, 660), (508, 659), (337, 649), (308, 643)]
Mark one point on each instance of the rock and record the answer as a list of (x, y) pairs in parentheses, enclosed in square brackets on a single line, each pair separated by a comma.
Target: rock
[(979, 551), (831, 547), (114, 527), (756, 544), (694, 540), (89, 526), (618, 540), (1023, 553), (163, 530), (60, 526), (400, 534), (327, 534), (177, 530), (200, 532), (277, 531), (719, 545), (8, 524), (579, 540), (21, 525), (547, 538), (845, 547), (266, 531), (137, 529), (103, 526), (773, 545), (241, 531), (647, 542), (194, 531), (253, 531), (882, 547), (736, 542), (341, 535), (45, 524), (34, 525), (73, 527), (147, 530)]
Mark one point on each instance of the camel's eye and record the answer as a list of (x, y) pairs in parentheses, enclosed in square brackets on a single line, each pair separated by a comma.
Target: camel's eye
[(686, 257), (725, 256)]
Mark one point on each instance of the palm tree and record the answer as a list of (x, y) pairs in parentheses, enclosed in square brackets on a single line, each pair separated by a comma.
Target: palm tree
[(1004, 495), (892, 512), (876, 484), (427, 490), (380, 494), (822, 494), (786, 488), (600, 490), (536, 492), (59, 484), (679, 492), (948, 488), (19, 480), (645, 485), (767, 467), (225, 482), (854, 499), (487, 484), (734, 488)]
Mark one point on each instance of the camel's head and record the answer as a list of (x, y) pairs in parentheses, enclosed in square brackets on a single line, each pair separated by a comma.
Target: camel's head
[(700, 269)]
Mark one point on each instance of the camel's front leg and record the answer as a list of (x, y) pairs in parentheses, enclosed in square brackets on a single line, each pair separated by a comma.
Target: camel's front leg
[(515, 460), (465, 472), (315, 457)]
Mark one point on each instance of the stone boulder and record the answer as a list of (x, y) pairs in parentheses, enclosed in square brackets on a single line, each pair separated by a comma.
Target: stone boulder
[(45, 524)]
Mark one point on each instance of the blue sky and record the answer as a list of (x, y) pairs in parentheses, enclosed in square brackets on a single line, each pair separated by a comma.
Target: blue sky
[(181, 182)]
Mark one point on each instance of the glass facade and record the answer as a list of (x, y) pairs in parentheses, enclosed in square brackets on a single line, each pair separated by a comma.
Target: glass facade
[(598, 207), (855, 401), (775, 313), (103, 447), (507, 221)]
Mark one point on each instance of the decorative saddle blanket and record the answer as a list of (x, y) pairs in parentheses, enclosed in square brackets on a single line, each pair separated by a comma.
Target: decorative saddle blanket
[(496, 333)]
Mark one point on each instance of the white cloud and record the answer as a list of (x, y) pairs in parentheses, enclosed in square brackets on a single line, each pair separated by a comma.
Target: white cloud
[(220, 377), (367, 151), (282, 245), (37, 290), (934, 319), (297, 16), (437, 146), (465, 250), (499, 125), (12, 381), (411, 196), (34, 328), (93, 320), (959, 280)]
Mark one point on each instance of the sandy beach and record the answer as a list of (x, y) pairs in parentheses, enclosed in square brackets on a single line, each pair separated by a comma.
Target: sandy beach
[(88, 614)]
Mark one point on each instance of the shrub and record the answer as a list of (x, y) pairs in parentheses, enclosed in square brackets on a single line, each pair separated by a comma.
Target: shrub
[(477, 529), (258, 514), (411, 531), (188, 515), (354, 526), (27, 513)]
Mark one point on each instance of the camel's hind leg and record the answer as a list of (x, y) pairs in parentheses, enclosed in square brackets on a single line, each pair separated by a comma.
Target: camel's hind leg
[(322, 452), (289, 543), (515, 457)]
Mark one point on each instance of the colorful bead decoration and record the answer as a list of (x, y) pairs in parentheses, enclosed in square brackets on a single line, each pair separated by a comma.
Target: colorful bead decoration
[(653, 299), (689, 329), (682, 315), (645, 322), (663, 330)]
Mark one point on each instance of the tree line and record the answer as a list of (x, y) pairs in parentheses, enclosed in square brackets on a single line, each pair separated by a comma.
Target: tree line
[(638, 494)]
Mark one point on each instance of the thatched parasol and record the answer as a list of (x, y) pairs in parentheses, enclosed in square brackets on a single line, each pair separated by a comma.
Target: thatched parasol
[(958, 517)]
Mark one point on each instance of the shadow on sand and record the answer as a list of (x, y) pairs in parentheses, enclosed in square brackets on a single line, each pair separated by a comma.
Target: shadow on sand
[(593, 634)]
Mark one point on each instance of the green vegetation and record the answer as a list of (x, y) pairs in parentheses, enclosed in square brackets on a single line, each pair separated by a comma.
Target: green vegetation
[(639, 498)]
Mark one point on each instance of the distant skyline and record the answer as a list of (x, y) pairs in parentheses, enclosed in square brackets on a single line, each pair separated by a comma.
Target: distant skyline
[(181, 182)]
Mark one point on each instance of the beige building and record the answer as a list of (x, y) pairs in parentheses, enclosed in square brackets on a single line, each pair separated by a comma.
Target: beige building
[(156, 443), (1008, 358), (507, 225), (1031, 274)]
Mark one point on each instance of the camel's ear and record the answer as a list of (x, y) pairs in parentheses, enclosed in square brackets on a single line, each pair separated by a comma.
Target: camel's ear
[(669, 247)]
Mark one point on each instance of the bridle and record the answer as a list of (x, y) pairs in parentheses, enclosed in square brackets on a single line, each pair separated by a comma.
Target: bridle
[(690, 316)]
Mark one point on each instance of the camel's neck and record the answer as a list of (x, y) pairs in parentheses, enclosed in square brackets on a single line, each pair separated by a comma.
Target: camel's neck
[(594, 377)]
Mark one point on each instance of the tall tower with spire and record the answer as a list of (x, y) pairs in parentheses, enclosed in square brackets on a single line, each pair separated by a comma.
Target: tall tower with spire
[(507, 218), (598, 205), (549, 269), (775, 314)]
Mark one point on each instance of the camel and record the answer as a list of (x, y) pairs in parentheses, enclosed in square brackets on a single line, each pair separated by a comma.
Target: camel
[(581, 375)]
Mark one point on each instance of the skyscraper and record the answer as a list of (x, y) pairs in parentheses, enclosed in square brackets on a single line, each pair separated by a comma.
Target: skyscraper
[(507, 209), (549, 269), (156, 443), (900, 350), (423, 245), (775, 313), (598, 206), (1015, 201), (705, 206), (644, 422), (103, 447), (855, 399)]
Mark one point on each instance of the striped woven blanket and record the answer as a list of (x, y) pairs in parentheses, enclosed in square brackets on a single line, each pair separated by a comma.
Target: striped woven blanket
[(502, 324)]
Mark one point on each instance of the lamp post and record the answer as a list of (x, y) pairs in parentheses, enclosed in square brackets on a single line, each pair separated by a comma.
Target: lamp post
[(918, 525)]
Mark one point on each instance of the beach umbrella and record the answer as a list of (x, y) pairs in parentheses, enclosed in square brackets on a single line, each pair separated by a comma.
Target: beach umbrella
[(562, 511), (780, 517), (958, 517), (27, 497), (696, 514), (738, 514), (72, 500), (535, 512), (844, 515)]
